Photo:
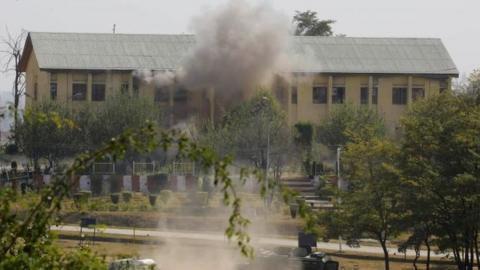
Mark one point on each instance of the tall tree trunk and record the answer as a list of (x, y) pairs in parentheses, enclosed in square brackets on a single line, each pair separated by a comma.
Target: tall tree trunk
[(385, 254), (427, 244), (417, 255), (475, 239)]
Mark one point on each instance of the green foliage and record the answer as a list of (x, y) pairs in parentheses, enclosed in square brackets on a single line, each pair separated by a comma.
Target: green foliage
[(372, 206), (127, 196), (165, 196), (48, 132), (251, 129), (53, 131), (347, 121), (440, 163), (307, 24)]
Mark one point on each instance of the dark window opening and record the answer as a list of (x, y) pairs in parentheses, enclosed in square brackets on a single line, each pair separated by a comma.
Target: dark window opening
[(294, 95), (364, 95), (319, 95), (53, 90), (161, 94), (399, 95), (98, 92), (180, 96), (79, 91), (338, 95), (418, 93)]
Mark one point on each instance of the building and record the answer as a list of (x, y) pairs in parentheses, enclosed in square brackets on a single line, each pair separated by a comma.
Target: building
[(386, 74)]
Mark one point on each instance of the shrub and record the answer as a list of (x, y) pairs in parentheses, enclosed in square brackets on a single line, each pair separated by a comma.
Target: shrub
[(81, 198), (165, 196), (127, 196), (152, 199), (96, 184), (115, 198)]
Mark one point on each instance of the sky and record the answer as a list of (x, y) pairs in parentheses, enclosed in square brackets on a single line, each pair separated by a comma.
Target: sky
[(456, 22)]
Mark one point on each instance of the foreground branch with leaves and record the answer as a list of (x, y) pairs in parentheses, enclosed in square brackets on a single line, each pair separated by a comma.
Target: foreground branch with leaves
[(27, 243)]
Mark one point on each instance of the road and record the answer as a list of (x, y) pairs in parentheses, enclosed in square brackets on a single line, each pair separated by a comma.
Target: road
[(256, 240)]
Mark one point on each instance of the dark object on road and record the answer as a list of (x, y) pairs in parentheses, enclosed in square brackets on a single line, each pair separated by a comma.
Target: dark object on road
[(301, 258), (132, 264), (353, 243)]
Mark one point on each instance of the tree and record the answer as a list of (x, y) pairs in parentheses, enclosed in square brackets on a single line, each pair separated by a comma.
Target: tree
[(53, 131), (307, 24), (372, 206), (47, 131), (349, 120), (13, 51), (441, 161)]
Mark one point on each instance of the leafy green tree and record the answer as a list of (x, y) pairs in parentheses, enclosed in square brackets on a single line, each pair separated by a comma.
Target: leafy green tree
[(47, 132), (347, 121), (307, 24), (371, 206), (441, 157), (254, 131)]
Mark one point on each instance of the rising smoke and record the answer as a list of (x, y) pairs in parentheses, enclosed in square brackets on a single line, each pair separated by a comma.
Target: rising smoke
[(238, 46)]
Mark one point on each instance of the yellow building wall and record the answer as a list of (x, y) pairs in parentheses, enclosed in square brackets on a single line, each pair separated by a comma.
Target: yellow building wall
[(305, 110)]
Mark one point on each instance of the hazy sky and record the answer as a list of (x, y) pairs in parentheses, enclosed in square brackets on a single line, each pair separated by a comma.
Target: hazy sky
[(457, 23)]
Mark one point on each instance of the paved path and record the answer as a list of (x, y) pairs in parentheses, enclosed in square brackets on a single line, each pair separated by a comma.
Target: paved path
[(271, 241)]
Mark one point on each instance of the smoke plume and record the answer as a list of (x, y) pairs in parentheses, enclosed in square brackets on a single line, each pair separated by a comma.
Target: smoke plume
[(238, 46)]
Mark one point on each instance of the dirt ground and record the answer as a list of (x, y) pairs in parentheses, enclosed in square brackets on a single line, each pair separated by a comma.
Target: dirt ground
[(196, 252)]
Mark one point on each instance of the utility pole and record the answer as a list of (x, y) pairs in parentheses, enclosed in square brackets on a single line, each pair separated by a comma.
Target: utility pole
[(340, 187), (114, 28)]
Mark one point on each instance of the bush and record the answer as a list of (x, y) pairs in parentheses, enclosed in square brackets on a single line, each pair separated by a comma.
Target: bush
[(115, 183), (115, 198), (127, 196), (165, 196), (81, 198), (152, 199)]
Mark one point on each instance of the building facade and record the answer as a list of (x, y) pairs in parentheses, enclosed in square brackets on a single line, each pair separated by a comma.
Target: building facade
[(385, 74)]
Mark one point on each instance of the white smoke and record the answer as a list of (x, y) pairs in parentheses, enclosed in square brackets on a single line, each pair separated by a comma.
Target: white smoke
[(160, 78)]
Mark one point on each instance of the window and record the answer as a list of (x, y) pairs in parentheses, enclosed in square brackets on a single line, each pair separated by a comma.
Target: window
[(161, 94), (181, 95), (364, 95), (418, 93), (443, 86), (375, 95), (319, 94), (98, 92), (53, 90), (399, 95), (294, 95), (338, 95), (79, 91), (124, 88), (53, 86)]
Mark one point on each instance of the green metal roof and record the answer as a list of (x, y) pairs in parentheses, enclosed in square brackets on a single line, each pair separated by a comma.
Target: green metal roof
[(307, 54)]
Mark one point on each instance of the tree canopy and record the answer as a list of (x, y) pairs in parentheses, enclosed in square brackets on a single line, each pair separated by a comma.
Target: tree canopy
[(307, 24), (348, 120)]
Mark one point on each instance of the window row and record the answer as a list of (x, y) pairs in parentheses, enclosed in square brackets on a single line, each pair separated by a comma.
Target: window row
[(319, 95)]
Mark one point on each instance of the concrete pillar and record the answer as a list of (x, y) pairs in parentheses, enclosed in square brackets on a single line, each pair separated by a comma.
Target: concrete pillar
[(409, 90), (69, 94), (89, 87), (370, 91), (130, 84), (329, 92)]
